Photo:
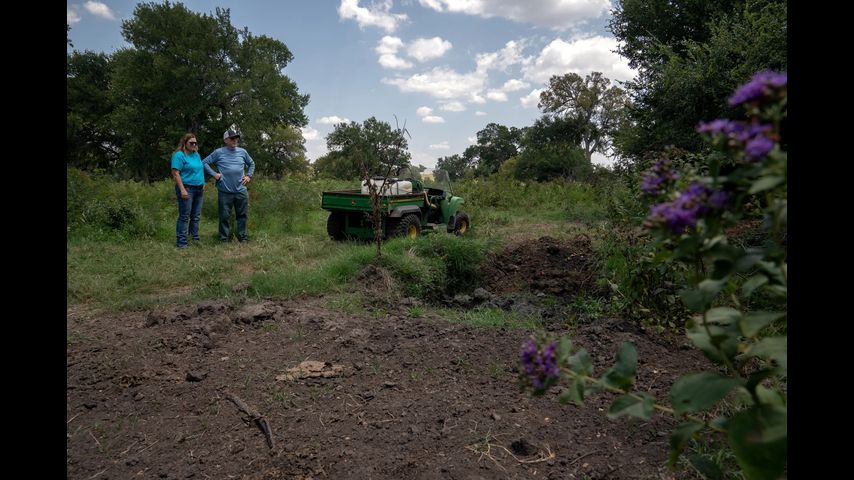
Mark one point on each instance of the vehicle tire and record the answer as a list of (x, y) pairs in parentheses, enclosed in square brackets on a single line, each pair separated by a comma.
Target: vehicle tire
[(409, 226), (335, 226), (462, 224)]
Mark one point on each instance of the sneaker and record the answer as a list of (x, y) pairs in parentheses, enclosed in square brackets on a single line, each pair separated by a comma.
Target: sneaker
[(181, 247)]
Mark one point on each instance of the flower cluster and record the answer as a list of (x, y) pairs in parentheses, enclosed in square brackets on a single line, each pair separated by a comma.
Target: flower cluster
[(697, 201), (765, 85), (660, 177), (756, 140), (540, 366)]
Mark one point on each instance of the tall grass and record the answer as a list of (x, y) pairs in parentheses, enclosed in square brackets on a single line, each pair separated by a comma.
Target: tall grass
[(121, 237)]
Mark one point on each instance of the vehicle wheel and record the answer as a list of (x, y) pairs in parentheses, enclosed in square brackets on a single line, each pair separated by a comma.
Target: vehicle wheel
[(462, 224), (409, 226), (335, 226)]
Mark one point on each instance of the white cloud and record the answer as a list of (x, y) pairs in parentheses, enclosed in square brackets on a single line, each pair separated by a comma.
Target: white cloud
[(453, 107), (99, 10), (378, 16), (531, 99), (480, 113), (513, 85), (424, 49), (582, 56), (424, 111), (476, 98), (71, 16), (472, 139), (310, 134), (440, 146), (387, 49), (556, 14), (433, 119), (393, 62), (440, 82), (389, 45), (332, 120), (511, 54), (496, 95)]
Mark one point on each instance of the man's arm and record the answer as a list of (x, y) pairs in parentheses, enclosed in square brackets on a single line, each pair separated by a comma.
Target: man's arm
[(211, 160), (251, 171)]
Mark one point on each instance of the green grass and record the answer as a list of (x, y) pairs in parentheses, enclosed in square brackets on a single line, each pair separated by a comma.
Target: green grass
[(491, 318), (121, 253)]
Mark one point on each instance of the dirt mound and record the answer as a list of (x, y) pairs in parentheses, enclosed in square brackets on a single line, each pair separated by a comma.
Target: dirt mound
[(544, 266), (209, 392)]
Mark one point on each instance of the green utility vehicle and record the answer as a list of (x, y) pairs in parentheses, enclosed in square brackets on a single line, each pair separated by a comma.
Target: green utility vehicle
[(410, 203)]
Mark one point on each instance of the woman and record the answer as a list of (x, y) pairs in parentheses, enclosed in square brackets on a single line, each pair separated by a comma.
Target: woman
[(189, 188)]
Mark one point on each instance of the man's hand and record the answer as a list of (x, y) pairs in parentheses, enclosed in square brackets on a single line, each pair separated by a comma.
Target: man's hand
[(246, 179), (184, 194), (217, 176)]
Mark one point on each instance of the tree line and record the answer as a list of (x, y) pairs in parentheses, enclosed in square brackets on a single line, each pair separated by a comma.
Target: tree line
[(188, 71)]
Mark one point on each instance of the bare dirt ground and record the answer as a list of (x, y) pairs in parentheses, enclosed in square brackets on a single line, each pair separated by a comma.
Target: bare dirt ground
[(295, 389)]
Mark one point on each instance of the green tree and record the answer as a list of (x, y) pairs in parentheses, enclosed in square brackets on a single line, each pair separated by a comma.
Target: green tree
[(495, 145), (372, 141), (456, 165), (284, 147), (690, 55), (550, 150), (90, 140), (591, 103), (196, 72), (335, 164)]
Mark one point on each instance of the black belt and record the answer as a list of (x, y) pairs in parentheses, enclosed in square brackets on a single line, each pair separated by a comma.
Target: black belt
[(193, 186)]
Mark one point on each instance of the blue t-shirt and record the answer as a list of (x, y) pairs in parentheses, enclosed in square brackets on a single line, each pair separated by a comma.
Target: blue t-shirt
[(190, 167), (230, 164)]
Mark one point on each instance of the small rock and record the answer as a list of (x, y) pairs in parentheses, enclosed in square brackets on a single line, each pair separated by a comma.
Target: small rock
[(496, 416), (196, 376)]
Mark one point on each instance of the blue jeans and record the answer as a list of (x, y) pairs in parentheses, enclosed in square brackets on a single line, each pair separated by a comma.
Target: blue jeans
[(240, 201), (189, 213)]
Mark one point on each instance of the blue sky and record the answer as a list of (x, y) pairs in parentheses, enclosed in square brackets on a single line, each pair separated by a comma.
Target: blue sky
[(445, 67)]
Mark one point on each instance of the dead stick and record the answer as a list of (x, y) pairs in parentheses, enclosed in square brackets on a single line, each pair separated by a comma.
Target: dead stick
[(259, 420)]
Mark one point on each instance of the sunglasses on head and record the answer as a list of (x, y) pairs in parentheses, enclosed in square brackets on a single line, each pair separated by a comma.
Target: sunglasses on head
[(192, 143)]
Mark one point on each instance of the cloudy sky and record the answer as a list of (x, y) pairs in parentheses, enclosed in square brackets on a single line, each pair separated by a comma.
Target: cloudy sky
[(444, 67)]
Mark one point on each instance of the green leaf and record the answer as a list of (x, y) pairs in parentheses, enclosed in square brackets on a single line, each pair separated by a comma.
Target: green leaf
[(758, 438), (766, 183), (723, 316), (747, 262), (752, 284), (772, 348), (576, 391), (679, 438), (700, 391), (700, 298), (705, 467), (753, 322), (564, 348), (622, 374), (635, 407), (722, 340), (580, 363)]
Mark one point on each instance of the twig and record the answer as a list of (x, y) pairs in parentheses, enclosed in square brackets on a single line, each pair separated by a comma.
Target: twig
[(256, 417), (96, 440), (579, 458), (72, 418), (93, 476), (128, 449), (146, 448)]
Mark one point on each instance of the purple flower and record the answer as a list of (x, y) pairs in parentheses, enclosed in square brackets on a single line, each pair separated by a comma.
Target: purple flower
[(763, 84), (695, 202), (661, 176), (540, 366), (758, 148)]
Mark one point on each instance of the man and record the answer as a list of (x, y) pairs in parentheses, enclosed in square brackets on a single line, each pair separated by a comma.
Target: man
[(231, 183)]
